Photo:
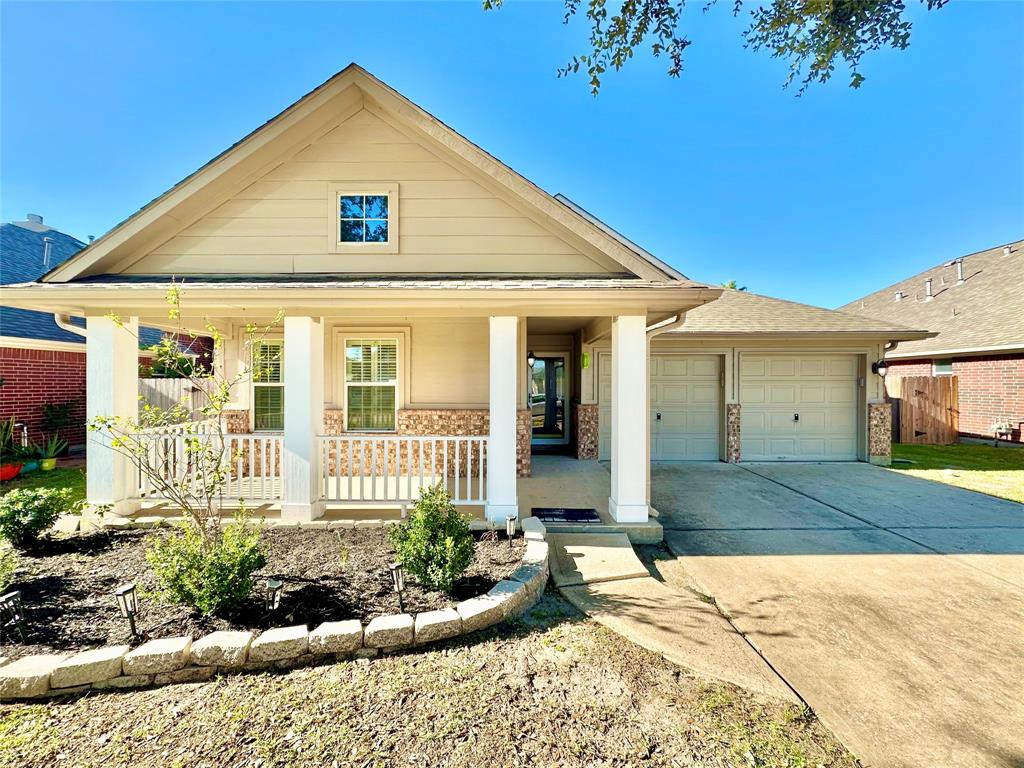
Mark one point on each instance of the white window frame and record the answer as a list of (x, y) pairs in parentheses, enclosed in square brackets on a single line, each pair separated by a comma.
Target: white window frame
[(336, 191), (935, 366), (253, 384), (396, 382)]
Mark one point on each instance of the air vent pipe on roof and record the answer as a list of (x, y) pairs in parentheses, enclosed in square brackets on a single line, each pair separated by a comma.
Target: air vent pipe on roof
[(959, 264), (928, 290), (47, 250), (1006, 250), (900, 295)]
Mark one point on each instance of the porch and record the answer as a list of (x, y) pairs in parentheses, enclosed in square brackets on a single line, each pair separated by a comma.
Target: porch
[(334, 459)]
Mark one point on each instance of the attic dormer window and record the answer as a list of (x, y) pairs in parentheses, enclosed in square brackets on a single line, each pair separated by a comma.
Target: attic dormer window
[(363, 218)]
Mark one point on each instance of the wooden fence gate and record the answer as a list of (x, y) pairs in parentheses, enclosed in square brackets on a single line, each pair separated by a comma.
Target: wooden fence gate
[(927, 410), (165, 393)]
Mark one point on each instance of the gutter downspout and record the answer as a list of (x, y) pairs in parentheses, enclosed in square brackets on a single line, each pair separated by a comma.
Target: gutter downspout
[(63, 321)]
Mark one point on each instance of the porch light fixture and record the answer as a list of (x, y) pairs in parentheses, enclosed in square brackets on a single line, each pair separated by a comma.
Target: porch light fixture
[(128, 604), (274, 589), (531, 358), (880, 368), (398, 582), (12, 614), (510, 527)]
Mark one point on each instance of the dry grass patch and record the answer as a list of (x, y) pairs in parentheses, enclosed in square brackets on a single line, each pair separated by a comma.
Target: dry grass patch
[(550, 689)]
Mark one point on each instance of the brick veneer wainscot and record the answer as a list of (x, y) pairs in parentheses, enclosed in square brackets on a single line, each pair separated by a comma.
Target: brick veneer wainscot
[(34, 377), (443, 421), (990, 388)]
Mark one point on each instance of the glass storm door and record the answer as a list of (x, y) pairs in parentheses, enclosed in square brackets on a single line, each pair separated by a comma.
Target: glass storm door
[(547, 401)]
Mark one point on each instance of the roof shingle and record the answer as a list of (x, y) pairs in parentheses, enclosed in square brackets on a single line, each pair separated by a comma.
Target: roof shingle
[(985, 311)]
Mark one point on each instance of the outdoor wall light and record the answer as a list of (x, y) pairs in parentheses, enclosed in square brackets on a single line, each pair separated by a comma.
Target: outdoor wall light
[(880, 368), (274, 589), (531, 358), (398, 582), (128, 604), (12, 614), (510, 527)]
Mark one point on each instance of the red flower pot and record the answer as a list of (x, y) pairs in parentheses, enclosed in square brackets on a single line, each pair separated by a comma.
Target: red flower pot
[(9, 471)]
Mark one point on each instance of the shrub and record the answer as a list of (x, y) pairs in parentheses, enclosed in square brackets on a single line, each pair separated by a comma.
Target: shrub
[(25, 513), (435, 543), (9, 562), (210, 573)]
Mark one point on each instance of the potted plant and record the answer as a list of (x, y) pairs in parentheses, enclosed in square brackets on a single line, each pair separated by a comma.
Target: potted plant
[(49, 452), (12, 455)]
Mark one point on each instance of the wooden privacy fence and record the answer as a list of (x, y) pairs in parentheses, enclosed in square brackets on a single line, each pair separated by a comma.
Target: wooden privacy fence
[(165, 393), (926, 410)]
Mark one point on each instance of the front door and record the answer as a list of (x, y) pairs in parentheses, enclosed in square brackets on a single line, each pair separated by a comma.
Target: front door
[(546, 396)]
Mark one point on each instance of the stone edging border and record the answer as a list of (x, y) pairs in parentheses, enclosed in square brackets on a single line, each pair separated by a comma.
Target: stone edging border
[(180, 660)]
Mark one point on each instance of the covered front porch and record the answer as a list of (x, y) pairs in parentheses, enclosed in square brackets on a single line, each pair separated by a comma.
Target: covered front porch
[(356, 417)]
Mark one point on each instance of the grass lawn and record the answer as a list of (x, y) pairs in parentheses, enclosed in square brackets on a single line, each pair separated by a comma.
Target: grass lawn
[(547, 689), (61, 477), (995, 471)]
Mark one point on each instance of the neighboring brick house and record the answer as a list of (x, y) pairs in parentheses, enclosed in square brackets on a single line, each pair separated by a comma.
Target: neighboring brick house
[(975, 303), (40, 362)]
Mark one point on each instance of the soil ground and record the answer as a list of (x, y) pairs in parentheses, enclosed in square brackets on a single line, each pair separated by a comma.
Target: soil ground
[(550, 689), (67, 586)]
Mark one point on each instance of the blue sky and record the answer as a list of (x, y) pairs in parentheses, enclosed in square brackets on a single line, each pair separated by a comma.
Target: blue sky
[(722, 172)]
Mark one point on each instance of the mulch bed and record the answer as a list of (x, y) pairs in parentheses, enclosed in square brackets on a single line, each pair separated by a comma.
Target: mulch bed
[(67, 585)]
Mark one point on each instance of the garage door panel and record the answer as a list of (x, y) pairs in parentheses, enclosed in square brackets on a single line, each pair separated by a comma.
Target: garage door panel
[(783, 367), (822, 389), (686, 391), (671, 367), (668, 394)]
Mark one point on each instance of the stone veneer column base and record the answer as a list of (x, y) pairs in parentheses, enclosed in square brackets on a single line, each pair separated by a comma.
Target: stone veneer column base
[(236, 421), (524, 431), (880, 434), (585, 426), (732, 433)]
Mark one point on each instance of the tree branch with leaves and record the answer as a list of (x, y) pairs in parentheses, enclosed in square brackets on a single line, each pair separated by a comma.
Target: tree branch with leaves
[(812, 35)]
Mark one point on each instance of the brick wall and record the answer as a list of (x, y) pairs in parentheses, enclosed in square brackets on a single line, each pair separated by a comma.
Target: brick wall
[(991, 389), (32, 377)]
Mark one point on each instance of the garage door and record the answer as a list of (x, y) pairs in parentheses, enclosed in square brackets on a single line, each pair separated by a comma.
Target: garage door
[(686, 394), (798, 407)]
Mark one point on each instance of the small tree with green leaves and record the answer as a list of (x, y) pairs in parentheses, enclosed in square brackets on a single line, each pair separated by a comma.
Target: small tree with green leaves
[(184, 453)]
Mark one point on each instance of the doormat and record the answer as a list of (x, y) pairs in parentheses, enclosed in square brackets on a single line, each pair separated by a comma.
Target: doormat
[(565, 515)]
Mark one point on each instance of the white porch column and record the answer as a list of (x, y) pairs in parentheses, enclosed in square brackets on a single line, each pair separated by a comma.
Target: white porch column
[(303, 417), (501, 448), (111, 389), (630, 446)]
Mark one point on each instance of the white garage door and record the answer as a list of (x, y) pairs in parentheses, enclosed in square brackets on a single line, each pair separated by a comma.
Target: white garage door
[(686, 394), (798, 408)]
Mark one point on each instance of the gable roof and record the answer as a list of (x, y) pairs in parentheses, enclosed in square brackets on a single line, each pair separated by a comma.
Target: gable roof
[(21, 260), (739, 313), (311, 116), (984, 313)]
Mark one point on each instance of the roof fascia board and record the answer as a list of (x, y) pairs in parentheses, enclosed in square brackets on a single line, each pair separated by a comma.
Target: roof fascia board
[(200, 178), (965, 351), (229, 301)]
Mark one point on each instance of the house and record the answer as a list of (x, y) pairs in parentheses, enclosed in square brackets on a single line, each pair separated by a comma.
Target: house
[(975, 306), (446, 319), (42, 356)]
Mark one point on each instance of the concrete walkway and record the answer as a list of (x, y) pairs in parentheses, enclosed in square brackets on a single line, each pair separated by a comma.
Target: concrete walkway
[(601, 575), (893, 605)]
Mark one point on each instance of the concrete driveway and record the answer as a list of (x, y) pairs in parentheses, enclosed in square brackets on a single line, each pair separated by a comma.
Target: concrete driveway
[(893, 605)]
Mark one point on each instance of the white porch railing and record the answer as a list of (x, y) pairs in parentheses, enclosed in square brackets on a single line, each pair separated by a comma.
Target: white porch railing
[(393, 469), (253, 462)]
